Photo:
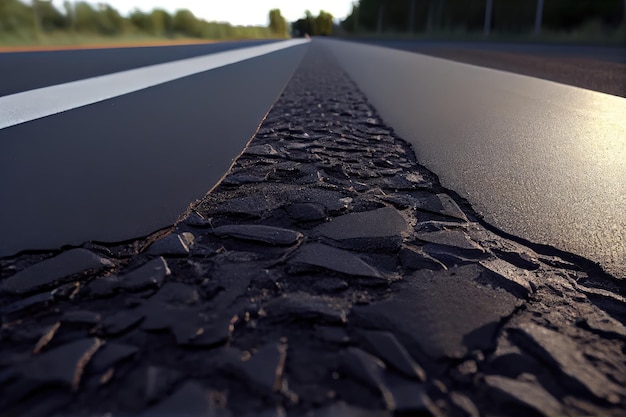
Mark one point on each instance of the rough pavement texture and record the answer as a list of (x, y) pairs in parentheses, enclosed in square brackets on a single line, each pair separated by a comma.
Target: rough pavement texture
[(327, 275)]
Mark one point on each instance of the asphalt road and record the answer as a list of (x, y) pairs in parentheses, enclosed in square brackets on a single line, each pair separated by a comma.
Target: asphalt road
[(22, 71), (590, 67), (540, 160), (601, 53), (126, 166)]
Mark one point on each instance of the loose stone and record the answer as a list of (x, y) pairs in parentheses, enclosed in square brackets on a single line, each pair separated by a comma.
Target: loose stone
[(380, 229), (306, 211), (385, 345), (457, 239), (525, 394), (445, 313), (152, 274), (171, 245), (260, 233), (54, 269), (63, 365), (324, 256), (563, 353)]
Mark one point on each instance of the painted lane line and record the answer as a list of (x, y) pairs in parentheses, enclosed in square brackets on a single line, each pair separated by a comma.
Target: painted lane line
[(41, 102)]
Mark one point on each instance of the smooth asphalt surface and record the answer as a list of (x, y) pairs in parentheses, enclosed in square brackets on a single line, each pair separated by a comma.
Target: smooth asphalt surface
[(126, 166), (541, 160), (601, 53), (22, 71)]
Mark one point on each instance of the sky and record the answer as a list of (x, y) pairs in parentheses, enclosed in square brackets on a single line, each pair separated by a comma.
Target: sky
[(236, 12)]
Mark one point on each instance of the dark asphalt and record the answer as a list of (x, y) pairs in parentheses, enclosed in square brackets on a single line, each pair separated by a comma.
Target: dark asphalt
[(602, 53), (541, 160), (22, 71), (329, 274), (594, 68), (127, 166)]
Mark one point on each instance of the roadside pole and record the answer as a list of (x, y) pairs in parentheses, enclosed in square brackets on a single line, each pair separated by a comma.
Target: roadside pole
[(538, 17), (488, 11)]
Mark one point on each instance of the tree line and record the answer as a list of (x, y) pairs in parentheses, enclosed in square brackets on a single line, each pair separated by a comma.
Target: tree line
[(505, 16), (320, 25), (21, 20)]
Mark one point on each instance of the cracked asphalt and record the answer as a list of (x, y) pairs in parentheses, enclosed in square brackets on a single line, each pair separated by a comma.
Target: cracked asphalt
[(328, 274)]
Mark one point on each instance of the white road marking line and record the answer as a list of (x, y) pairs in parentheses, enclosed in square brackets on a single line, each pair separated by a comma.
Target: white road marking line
[(41, 102)]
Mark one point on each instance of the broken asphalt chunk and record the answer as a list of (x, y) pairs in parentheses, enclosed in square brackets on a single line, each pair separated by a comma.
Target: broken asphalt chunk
[(306, 211), (121, 321), (158, 381), (260, 233), (365, 368), (409, 397), (172, 245), (513, 279), (304, 307), (380, 229), (565, 355), (265, 368), (604, 325), (63, 365), (333, 201), (81, 317), (445, 313), (457, 239), (385, 345), (176, 293), (196, 220), (150, 274), (261, 150), (110, 354), (189, 400), (441, 204), (186, 324), (34, 302), (338, 260), (525, 394), (518, 258), (206, 335), (414, 258), (54, 269)]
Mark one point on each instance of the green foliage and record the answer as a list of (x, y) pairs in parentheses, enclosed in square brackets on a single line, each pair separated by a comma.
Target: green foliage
[(50, 17), (156, 23), (109, 21), (105, 20), (161, 23), (15, 16), (22, 21), (278, 24), (185, 23), (141, 20), (320, 25), (324, 23)]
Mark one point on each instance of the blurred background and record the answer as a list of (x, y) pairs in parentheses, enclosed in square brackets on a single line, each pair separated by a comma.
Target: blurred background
[(24, 22), (559, 20)]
